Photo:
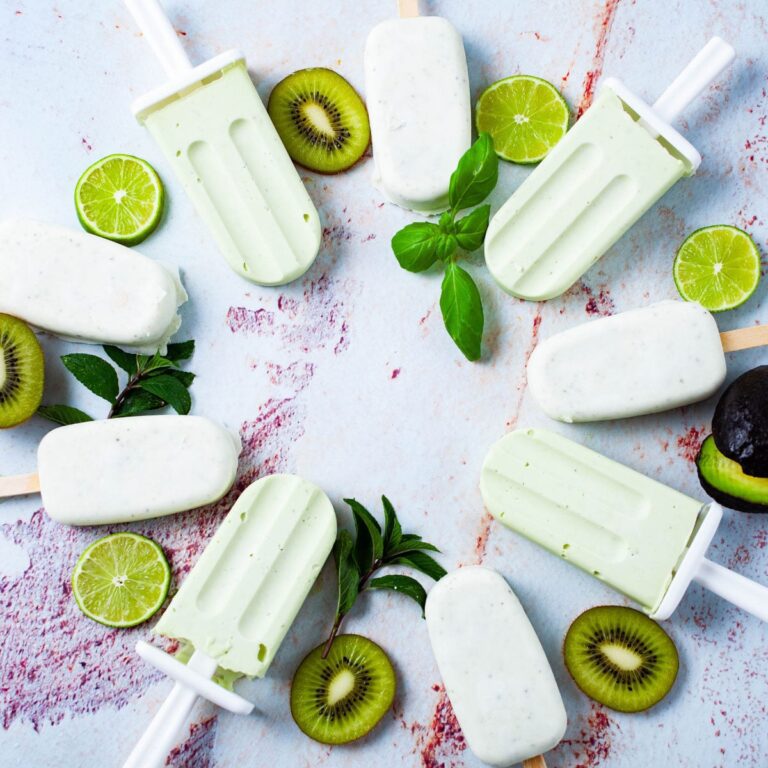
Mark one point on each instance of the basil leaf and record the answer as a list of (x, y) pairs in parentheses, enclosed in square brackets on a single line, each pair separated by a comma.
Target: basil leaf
[(182, 350), (475, 176), (94, 373), (415, 246), (462, 310), (63, 414), (422, 562), (125, 360), (137, 401), (369, 545), (169, 389), (446, 247), (392, 530), (404, 584), (470, 230), (349, 576)]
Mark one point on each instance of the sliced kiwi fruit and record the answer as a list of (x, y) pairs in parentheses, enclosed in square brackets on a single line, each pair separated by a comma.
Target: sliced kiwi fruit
[(620, 658), (320, 119), (21, 371), (340, 698)]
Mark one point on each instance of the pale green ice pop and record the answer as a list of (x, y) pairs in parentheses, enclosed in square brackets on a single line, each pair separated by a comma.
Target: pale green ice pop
[(618, 160), (216, 134)]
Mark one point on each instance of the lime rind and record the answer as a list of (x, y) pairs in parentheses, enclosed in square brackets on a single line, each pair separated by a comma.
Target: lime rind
[(120, 198), (525, 115), (718, 267)]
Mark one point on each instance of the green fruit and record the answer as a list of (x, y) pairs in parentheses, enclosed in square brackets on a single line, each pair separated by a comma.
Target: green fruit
[(121, 580), (320, 119), (526, 116), (121, 198), (724, 480), (22, 371), (718, 266), (620, 658), (341, 698)]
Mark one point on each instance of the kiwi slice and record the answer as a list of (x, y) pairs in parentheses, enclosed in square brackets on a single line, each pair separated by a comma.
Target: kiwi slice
[(21, 371), (320, 119), (621, 658), (340, 698)]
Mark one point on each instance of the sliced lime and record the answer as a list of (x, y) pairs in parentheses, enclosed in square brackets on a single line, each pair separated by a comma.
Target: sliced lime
[(718, 266), (120, 197), (526, 116), (121, 580)]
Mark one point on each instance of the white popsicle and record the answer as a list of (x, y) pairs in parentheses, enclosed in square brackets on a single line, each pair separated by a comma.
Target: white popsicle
[(496, 674), (86, 288), (128, 469)]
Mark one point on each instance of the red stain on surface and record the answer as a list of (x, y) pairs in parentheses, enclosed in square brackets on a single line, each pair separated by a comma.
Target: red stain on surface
[(244, 320), (593, 746), (689, 443), (197, 750), (600, 303), (604, 24), (761, 538), (86, 144), (481, 540), (395, 373), (440, 743)]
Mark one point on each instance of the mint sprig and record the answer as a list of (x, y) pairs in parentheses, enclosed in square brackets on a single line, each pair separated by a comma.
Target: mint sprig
[(358, 558), (422, 244), (153, 382)]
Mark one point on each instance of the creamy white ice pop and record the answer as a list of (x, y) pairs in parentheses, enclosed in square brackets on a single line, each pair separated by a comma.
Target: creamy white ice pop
[(217, 136), (86, 288), (641, 361), (417, 91), (496, 674), (123, 470)]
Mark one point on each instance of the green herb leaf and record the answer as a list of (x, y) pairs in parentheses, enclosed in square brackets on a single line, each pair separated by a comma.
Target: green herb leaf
[(476, 175), (63, 414), (125, 360), (421, 561), (392, 530), (137, 402), (471, 229), (185, 377), (169, 389), (182, 350), (93, 372), (415, 246), (349, 576), (410, 544), (158, 362), (446, 247), (404, 584), (369, 545), (462, 310)]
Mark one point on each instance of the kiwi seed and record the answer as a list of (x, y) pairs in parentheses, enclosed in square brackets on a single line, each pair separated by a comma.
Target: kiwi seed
[(21, 371)]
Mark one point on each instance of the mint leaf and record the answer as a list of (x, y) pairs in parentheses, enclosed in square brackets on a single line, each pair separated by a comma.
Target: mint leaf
[(137, 402), (462, 310), (471, 229), (157, 362), (349, 576), (369, 546), (169, 389), (182, 350), (475, 176), (404, 584), (185, 377), (415, 246), (63, 414), (421, 561), (93, 372), (125, 360), (410, 544), (392, 530)]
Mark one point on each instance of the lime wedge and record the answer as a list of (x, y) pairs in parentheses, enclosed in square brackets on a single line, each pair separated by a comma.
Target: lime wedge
[(526, 116), (120, 197), (717, 266), (121, 580)]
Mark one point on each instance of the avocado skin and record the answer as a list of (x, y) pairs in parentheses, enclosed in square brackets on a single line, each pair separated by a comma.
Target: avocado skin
[(718, 483), (740, 423)]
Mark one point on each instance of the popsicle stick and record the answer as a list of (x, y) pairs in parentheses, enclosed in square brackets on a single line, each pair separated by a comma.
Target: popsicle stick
[(408, 9), (744, 338), (20, 485), (535, 762)]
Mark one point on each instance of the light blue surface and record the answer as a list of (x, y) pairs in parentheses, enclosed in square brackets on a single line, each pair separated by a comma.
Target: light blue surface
[(348, 378)]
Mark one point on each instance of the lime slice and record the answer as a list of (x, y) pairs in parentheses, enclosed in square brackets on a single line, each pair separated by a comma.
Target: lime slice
[(526, 116), (120, 197), (121, 580), (717, 266)]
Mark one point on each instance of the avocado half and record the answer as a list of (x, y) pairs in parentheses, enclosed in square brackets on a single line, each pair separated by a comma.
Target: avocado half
[(725, 481), (740, 423)]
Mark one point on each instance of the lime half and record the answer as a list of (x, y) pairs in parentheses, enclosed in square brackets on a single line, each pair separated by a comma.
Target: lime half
[(120, 197), (121, 580), (526, 116), (717, 266)]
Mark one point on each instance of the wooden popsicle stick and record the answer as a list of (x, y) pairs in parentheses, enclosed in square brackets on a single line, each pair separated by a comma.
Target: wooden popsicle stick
[(535, 762), (744, 338), (408, 9), (19, 485)]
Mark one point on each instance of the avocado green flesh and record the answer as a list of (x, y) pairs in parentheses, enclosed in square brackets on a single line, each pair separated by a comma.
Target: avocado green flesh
[(725, 481)]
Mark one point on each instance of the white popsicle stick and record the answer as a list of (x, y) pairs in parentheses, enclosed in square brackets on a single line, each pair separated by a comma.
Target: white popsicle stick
[(193, 680), (744, 338), (707, 65), (19, 485), (160, 34), (408, 9)]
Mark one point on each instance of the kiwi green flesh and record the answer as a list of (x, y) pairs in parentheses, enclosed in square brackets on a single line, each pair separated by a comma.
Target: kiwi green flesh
[(342, 697), (320, 119), (620, 658), (21, 372), (727, 483)]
